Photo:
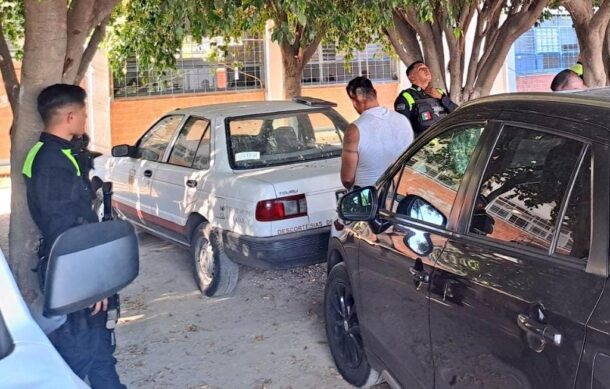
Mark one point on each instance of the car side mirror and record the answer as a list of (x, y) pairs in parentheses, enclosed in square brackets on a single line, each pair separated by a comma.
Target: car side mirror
[(359, 205), (89, 263), (414, 207), (124, 151)]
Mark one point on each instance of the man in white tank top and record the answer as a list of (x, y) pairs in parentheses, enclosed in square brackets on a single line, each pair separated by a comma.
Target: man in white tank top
[(375, 140)]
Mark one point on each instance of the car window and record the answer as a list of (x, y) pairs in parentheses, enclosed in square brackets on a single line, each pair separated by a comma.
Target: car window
[(202, 157), (575, 235), (188, 141), (153, 144), (283, 138), (433, 174), (524, 184)]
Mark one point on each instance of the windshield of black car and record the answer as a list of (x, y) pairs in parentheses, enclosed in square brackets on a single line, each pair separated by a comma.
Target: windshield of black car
[(283, 138)]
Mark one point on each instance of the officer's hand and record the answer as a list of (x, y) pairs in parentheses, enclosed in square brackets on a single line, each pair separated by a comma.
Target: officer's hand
[(99, 306), (433, 92)]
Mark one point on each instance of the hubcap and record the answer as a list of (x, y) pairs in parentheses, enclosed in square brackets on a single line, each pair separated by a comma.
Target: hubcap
[(205, 262), (345, 329)]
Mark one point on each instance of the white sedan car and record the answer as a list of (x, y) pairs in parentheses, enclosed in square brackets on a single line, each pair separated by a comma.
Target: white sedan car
[(251, 183)]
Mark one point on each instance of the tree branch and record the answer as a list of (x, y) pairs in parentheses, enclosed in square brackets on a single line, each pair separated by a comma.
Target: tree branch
[(9, 75), (89, 53), (406, 39), (310, 50)]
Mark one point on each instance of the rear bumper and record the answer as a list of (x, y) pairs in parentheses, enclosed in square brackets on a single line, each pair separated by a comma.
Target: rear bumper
[(278, 252)]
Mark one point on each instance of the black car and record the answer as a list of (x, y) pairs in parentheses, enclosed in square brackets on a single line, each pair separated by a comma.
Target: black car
[(480, 258)]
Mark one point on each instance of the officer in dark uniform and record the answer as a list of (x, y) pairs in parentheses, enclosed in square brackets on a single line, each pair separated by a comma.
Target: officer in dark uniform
[(59, 198), (422, 104)]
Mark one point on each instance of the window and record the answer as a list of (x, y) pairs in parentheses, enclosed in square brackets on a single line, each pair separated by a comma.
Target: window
[(209, 65), (438, 171), (202, 158), (327, 66), (575, 234), (548, 48), (153, 144), (282, 138), (525, 182), (185, 148)]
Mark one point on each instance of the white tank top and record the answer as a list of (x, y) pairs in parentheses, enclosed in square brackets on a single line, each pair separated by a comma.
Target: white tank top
[(384, 136)]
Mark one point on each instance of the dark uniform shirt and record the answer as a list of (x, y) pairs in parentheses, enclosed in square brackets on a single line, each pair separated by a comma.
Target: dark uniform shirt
[(58, 194), (421, 109)]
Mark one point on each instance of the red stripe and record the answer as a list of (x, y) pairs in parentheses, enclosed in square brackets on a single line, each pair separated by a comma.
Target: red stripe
[(149, 218)]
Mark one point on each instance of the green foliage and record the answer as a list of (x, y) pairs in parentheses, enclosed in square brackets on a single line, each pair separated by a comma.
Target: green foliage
[(12, 20), (154, 30)]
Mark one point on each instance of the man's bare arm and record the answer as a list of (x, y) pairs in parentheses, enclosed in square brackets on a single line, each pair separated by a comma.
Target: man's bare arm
[(349, 156)]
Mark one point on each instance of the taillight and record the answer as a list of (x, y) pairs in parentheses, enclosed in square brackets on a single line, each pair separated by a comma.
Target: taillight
[(282, 208)]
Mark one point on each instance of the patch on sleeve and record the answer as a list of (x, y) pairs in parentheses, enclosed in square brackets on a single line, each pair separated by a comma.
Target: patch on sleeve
[(401, 107)]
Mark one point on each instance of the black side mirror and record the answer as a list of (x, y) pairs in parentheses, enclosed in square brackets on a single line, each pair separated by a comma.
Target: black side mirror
[(89, 263), (123, 151), (359, 205), (414, 207)]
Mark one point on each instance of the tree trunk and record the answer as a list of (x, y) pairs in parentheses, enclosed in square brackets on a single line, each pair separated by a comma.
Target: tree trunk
[(591, 26), (43, 60), (292, 79), (46, 48)]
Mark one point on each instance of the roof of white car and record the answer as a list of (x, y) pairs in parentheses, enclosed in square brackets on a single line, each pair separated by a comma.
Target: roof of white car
[(246, 108)]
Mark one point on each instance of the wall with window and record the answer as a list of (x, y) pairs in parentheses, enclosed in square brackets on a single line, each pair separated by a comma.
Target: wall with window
[(328, 66), (544, 51), (208, 66)]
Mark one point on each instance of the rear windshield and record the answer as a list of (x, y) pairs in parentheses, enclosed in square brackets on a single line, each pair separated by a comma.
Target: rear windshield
[(284, 138)]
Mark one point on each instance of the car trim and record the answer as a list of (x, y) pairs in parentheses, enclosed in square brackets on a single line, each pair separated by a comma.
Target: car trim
[(136, 213), (600, 212)]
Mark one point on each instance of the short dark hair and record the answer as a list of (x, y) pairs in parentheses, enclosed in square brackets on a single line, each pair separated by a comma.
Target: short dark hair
[(562, 79), (57, 96), (411, 67), (361, 86)]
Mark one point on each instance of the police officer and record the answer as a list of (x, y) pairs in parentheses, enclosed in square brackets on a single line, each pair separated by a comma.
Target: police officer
[(422, 104), (59, 198)]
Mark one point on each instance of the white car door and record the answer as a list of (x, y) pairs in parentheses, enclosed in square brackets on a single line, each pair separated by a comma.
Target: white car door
[(176, 182), (132, 176)]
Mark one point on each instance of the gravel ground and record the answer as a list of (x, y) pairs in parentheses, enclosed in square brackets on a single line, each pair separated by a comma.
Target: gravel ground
[(269, 334)]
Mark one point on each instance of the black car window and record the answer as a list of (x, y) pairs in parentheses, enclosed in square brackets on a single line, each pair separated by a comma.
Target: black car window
[(524, 184), (6, 342), (153, 144), (434, 174), (575, 234), (186, 145)]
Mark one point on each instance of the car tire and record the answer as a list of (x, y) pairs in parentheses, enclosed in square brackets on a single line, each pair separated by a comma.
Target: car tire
[(215, 274), (343, 331)]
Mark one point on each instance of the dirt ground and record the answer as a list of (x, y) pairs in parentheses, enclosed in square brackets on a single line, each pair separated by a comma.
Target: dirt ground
[(269, 334)]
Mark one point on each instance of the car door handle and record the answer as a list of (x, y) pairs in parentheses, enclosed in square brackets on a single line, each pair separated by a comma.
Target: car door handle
[(420, 276), (544, 332), (147, 173), (191, 183)]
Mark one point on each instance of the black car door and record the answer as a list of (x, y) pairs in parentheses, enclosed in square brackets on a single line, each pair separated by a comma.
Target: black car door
[(511, 295), (396, 254)]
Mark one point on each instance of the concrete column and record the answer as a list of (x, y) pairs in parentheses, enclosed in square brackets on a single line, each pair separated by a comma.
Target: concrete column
[(403, 81), (99, 89), (274, 67)]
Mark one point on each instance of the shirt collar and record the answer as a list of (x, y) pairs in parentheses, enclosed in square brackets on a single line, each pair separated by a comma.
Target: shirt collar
[(46, 137)]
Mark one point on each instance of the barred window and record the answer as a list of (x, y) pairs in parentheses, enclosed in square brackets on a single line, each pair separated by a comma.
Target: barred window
[(548, 48), (327, 66), (209, 66)]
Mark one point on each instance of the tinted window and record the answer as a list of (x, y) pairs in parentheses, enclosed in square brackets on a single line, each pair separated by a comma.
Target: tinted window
[(575, 235), (523, 187), (153, 144), (187, 143), (435, 171), (276, 139)]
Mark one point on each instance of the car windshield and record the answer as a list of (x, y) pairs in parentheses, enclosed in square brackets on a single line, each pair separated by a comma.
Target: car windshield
[(283, 138)]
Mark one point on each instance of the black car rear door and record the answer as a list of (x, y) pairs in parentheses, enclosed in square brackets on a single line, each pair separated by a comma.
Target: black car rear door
[(511, 294)]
